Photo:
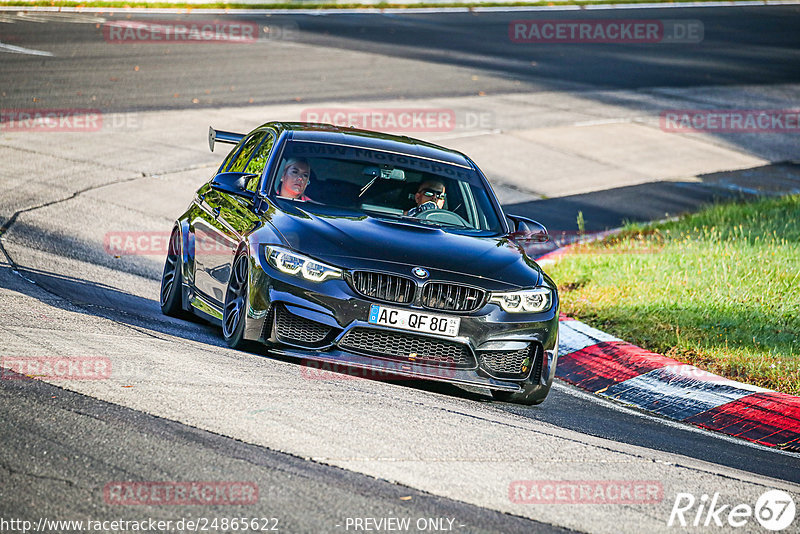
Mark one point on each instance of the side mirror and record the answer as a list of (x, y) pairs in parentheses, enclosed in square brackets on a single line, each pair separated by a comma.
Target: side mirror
[(233, 183), (528, 230)]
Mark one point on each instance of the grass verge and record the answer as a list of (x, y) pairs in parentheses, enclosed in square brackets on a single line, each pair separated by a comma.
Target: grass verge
[(719, 289), (312, 4)]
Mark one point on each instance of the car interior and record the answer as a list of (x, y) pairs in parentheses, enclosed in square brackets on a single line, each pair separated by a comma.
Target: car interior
[(364, 186)]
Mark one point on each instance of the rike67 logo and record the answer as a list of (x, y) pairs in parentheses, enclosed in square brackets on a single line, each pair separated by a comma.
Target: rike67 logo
[(774, 510)]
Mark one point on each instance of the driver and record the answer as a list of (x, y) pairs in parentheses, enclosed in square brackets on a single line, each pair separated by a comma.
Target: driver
[(430, 195), (295, 178)]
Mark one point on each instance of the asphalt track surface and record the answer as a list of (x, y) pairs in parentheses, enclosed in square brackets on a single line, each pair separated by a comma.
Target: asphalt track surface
[(86, 458), (410, 56), (49, 430)]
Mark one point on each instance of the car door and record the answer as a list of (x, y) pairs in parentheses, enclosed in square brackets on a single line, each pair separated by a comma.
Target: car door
[(227, 218), (212, 249)]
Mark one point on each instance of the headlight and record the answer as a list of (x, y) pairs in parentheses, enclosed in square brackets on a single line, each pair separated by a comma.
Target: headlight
[(290, 262), (526, 301)]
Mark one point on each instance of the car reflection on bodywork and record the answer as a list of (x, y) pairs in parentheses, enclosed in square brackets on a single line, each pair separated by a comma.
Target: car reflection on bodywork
[(353, 272)]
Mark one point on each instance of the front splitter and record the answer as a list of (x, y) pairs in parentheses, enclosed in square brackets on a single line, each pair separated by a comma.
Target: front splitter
[(385, 369)]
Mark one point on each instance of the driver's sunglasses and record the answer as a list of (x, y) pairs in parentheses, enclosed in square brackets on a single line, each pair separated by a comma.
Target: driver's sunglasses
[(432, 193)]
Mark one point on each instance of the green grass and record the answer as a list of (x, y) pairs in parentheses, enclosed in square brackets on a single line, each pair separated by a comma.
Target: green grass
[(312, 4), (719, 289)]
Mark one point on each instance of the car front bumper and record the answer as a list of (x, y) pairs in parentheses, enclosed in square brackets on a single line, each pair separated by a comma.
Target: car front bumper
[(335, 305)]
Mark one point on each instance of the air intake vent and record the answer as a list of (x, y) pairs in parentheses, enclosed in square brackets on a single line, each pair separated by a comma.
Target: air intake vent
[(514, 364), (407, 347), (291, 328)]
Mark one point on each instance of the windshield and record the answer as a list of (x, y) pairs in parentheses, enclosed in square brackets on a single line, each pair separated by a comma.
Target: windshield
[(384, 184)]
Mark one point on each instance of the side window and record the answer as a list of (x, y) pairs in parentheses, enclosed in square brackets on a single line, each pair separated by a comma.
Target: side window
[(243, 157), (258, 161), (230, 157)]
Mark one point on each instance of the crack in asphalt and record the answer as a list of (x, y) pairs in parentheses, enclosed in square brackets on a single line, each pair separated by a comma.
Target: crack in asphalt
[(6, 226), (11, 220), (13, 471)]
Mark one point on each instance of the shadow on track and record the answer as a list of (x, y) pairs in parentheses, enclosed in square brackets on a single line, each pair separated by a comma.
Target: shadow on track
[(104, 301)]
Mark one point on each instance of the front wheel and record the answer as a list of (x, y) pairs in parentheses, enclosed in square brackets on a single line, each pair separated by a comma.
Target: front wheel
[(236, 303), (172, 278)]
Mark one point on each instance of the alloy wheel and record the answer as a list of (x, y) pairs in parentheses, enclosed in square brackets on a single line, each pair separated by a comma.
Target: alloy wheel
[(170, 268), (235, 297)]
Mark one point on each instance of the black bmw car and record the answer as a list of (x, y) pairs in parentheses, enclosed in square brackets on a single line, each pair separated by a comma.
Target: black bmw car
[(369, 251)]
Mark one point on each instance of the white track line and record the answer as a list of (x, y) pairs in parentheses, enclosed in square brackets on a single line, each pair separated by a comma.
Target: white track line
[(20, 50)]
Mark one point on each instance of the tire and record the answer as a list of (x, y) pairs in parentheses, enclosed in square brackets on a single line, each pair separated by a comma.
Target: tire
[(171, 297), (236, 301)]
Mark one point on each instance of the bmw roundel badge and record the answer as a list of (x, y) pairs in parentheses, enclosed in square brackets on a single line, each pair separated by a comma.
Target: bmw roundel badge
[(419, 272)]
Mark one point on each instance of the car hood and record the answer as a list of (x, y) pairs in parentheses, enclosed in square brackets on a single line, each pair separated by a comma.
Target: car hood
[(362, 241)]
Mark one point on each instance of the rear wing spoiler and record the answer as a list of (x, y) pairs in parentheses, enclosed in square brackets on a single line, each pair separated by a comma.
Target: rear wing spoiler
[(223, 137)]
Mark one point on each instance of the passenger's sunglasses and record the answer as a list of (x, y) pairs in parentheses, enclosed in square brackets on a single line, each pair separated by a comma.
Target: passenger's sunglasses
[(432, 193)]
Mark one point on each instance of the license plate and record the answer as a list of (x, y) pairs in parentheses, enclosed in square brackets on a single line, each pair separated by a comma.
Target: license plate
[(415, 321)]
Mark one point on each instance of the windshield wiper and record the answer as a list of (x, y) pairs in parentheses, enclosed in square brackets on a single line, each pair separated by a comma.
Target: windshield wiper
[(364, 189)]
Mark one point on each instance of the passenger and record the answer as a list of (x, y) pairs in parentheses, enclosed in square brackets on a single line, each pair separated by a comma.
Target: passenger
[(430, 195), (295, 178)]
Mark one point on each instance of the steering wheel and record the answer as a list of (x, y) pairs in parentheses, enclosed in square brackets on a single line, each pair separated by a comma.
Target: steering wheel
[(442, 216)]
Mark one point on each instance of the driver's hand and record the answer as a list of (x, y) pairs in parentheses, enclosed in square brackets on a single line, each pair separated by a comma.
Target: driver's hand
[(429, 205)]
